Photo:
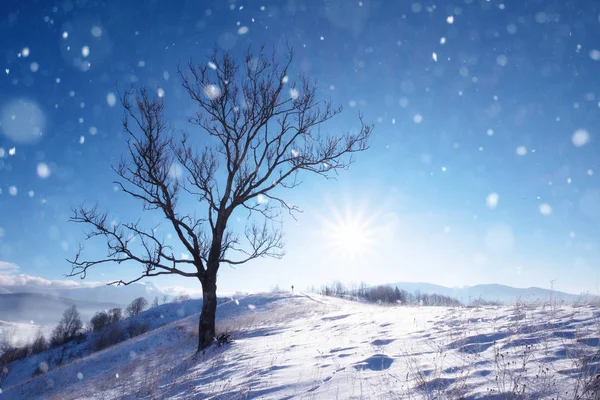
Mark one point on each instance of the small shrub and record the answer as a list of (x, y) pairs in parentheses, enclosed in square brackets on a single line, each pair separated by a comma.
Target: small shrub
[(12, 353), (223, 339), (109, 336), (136, 328), (99, 321)]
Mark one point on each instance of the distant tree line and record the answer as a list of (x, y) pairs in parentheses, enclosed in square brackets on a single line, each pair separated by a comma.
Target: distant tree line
[(384, 294)]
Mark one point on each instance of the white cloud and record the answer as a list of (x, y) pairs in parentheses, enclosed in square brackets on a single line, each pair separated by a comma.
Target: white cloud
[(180, 290), (9, 277), (7, 268)]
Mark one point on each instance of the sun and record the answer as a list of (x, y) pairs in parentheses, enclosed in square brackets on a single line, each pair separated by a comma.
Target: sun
[(350, 234)]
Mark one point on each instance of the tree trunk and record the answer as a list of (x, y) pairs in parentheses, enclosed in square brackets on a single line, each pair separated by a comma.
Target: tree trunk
[(206, 327)]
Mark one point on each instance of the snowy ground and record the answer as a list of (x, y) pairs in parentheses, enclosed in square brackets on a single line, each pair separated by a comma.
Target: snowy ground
[(312, 347)]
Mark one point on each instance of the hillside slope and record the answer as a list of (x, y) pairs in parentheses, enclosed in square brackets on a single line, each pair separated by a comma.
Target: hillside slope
[(308, 346)]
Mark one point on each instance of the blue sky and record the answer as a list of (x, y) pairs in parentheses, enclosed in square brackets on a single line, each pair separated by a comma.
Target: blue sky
[(483, 165)]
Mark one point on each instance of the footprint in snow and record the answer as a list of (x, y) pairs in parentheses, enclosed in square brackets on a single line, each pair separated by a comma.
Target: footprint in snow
[(382, 342), (335, 317), (377, 362)]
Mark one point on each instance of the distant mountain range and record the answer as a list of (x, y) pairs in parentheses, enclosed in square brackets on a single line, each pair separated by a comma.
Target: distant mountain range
[(121, 295), (45, 309), (26, 308), (491, 292)]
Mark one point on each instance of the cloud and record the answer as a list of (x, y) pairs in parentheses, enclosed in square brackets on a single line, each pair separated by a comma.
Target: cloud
[(9, 277), (180, 290), (8, 268)]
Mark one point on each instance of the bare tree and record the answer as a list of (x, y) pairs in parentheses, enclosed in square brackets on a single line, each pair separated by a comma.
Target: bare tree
[(263, 130), (136, 306), (114, 315), (40, 343), (68, 328)]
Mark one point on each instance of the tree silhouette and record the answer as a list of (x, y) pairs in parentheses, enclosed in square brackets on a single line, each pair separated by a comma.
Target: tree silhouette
[(264, 133)]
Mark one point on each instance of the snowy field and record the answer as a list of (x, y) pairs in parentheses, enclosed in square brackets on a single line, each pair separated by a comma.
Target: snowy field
[(311, 347)]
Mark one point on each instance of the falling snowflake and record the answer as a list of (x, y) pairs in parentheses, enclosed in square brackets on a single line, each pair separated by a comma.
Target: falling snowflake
[(294, 93), (434, 56), (418, 118), (43, 171), (502, 60), (96, 31), (160, 93), (212, 92), (545, 209), (85, 51), (521, 150), (492, 200), (111, 99), (580, 138), (450, 19), (243, 30)]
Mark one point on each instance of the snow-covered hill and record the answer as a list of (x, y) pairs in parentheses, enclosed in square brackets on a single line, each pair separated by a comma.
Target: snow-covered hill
[(311, 347)]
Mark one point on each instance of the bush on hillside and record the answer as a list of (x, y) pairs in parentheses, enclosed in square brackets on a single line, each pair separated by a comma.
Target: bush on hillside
[(137, 306), (136, 328), (109, 336), (99, 321)]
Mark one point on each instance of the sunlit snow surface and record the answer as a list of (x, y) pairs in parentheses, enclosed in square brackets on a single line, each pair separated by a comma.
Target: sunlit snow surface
[(309, 346)]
